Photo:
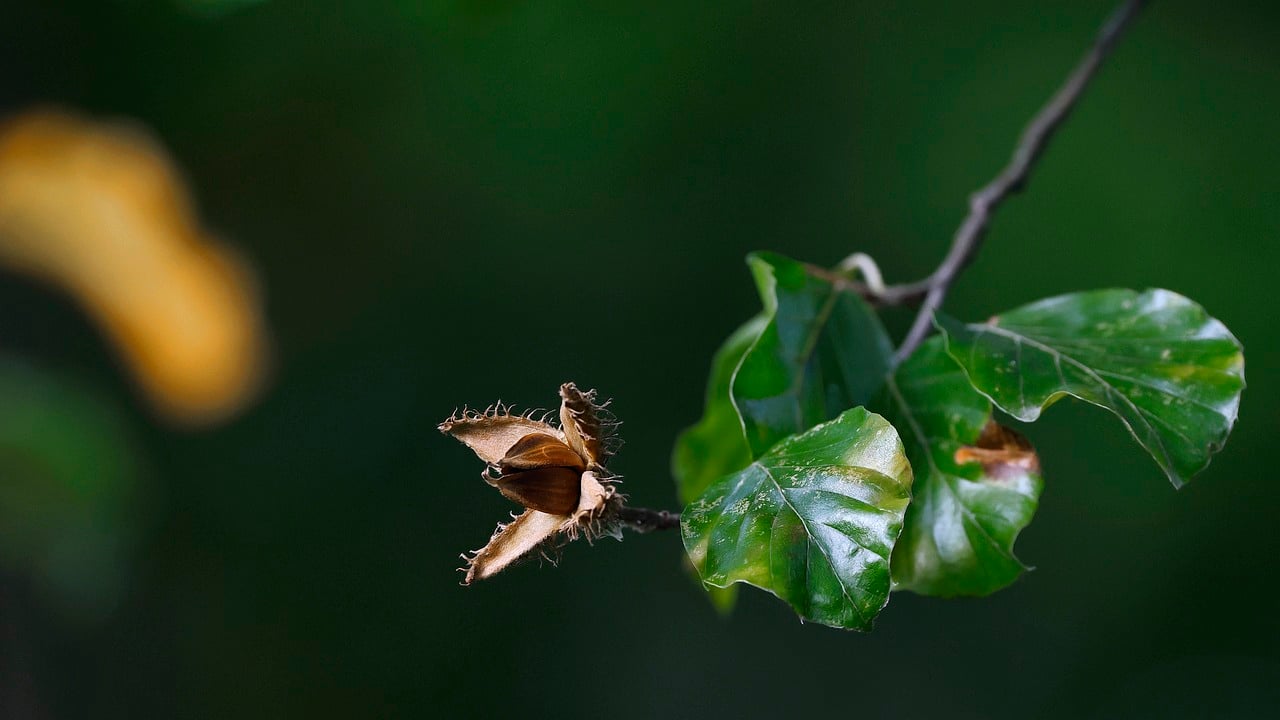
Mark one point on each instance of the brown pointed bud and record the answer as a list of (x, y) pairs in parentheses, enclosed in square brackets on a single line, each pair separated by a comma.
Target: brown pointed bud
[(1003, 452)]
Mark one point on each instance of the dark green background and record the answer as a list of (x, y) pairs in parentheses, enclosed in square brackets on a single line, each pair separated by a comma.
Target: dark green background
[(455, 202)]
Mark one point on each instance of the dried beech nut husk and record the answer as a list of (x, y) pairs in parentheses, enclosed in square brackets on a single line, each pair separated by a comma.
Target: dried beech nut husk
[(556, 472)]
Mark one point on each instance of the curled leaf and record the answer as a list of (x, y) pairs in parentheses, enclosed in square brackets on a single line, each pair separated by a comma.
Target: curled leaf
[(1170, 372)]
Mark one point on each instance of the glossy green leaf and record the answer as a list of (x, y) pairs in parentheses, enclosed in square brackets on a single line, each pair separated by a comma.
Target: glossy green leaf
[(1172, 374), (964, 517), (716, 446), (822, 351), (812, 521)]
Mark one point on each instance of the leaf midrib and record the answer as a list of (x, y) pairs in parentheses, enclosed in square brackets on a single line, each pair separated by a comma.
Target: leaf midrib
[(923, 440), (811, 539), (806, 352), (1110, 389)]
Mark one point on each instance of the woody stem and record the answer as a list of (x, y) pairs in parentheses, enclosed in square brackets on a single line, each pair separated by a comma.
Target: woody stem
[(1012, 179), (643, 520)]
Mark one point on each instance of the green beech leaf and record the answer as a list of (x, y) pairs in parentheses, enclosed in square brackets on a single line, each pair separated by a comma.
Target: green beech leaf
[(822, 351), (964, 516), (812, 521), (1172, 374), (716, 446)]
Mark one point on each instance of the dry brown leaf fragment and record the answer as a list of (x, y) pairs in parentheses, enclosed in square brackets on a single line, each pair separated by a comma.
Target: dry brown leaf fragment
[(556, 473), (1003, 453)]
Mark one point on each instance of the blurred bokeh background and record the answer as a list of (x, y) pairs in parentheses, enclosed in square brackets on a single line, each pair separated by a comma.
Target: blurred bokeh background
[(439, 203)]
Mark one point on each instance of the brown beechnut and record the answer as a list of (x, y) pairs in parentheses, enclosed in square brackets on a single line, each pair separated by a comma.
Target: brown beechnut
[(556, 473)]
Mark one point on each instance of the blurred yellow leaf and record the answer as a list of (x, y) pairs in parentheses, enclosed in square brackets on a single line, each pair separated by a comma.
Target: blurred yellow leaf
[(100, 210)]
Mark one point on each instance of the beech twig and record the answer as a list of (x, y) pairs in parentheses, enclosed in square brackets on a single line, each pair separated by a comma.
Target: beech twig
[(643, 520), (931, 290), (1012, 179)]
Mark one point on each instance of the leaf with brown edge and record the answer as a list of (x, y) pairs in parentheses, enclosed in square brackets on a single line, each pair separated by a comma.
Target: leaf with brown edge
[(977, 485), (1003, 452), (1170, 372)]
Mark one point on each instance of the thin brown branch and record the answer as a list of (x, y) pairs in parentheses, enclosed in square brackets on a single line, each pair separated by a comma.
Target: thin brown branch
[(902, 294), (1011, 180), (931, 291), (643, 520)]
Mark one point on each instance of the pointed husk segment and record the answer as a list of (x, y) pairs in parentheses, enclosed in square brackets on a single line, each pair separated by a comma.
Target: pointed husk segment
[(490, 434), (534, 531), (588, 426), (527, 532)]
